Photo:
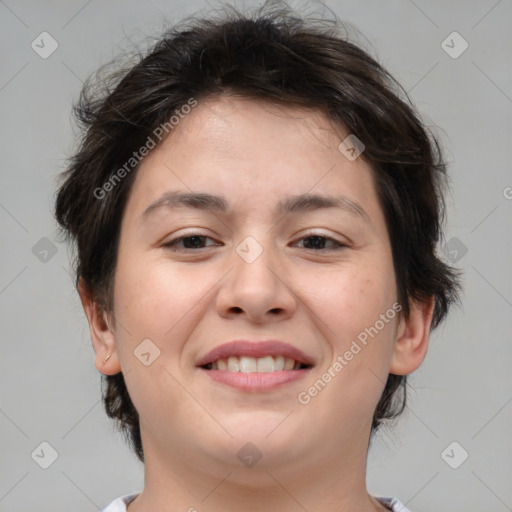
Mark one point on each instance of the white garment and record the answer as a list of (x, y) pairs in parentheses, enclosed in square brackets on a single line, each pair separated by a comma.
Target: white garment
[(119, 505)]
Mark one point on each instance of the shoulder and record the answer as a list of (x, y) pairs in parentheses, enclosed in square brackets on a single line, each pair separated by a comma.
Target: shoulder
[(119, 504), (392, 503)]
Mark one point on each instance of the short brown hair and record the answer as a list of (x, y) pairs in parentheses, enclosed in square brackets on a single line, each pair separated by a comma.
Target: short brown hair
[(277, 56)]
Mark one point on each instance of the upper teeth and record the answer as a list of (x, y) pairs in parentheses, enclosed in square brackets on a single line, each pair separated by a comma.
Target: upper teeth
[(247, 364)]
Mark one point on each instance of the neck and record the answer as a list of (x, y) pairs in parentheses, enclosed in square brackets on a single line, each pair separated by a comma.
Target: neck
[(178, 485)]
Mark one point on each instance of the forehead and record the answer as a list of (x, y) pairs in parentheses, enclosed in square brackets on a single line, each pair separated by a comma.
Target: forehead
[(248, 130), (251, 123), (255, 152)]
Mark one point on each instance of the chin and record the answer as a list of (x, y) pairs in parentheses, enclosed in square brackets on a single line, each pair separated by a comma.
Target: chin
[(260, 439)]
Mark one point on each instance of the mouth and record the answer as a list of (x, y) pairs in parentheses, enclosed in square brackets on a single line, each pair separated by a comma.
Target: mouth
[(265, 364), (255, 366)]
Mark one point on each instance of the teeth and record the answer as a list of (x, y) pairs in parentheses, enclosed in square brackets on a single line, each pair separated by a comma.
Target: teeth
[(289, 364), (279, 363), (265, 364), (233, 365), (245, 364), (248, 364)]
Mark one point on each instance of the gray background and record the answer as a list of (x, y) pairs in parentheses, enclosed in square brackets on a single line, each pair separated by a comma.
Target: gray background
[(49, 386)]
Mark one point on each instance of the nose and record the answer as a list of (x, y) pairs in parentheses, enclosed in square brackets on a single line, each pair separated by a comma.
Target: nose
[(258, 289)]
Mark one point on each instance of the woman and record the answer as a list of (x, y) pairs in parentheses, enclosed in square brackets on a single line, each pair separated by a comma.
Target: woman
[(256, 213)]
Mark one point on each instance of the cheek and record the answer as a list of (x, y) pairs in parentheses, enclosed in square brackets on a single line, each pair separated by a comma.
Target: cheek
[(157, 300), (360, 309), (348, 386), (347, 301), (349, 304)]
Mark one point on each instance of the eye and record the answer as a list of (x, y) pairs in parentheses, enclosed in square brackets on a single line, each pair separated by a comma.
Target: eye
[(190, 242), (317, 242), (194, 241)]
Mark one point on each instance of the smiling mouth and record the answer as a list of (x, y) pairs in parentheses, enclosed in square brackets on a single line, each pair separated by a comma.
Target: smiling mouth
[(246, 364)]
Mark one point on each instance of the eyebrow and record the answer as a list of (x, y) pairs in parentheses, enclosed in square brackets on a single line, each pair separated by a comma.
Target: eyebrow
[(293, 204)]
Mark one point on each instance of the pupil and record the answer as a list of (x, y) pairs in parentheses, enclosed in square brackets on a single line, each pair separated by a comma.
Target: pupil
[(196, 238), (318, 240)]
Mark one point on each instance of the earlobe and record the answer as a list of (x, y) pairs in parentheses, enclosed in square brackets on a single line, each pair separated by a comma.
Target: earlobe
[(413, 334), (102, 334)]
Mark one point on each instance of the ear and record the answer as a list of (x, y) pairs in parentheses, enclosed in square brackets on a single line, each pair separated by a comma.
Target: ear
[(102, 334), (412, 338)]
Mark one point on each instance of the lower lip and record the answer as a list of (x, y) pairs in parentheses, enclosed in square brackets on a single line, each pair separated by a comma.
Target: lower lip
[(256, 381)]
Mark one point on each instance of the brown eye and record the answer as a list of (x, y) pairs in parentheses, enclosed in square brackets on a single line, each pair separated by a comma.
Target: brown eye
[(318, 242), (190, 242)]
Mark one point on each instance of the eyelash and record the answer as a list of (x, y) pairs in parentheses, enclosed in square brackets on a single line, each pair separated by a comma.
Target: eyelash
[(173, 243)]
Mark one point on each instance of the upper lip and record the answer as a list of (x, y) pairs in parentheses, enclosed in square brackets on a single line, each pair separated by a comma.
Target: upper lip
[(255, 349)]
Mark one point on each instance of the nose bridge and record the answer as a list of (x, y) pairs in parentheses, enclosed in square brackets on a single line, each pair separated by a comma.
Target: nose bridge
[(250, 249), (256, 261), (254, 285)]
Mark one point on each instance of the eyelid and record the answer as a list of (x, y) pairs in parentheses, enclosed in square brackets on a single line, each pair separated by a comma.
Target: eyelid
[(192, 234), (312, 233), (315, 232)]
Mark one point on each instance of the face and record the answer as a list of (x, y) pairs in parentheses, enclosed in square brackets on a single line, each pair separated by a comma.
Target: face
[(259, 264)]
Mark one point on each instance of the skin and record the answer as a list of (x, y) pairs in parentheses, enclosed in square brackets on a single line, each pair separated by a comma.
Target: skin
[(318, 299)]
